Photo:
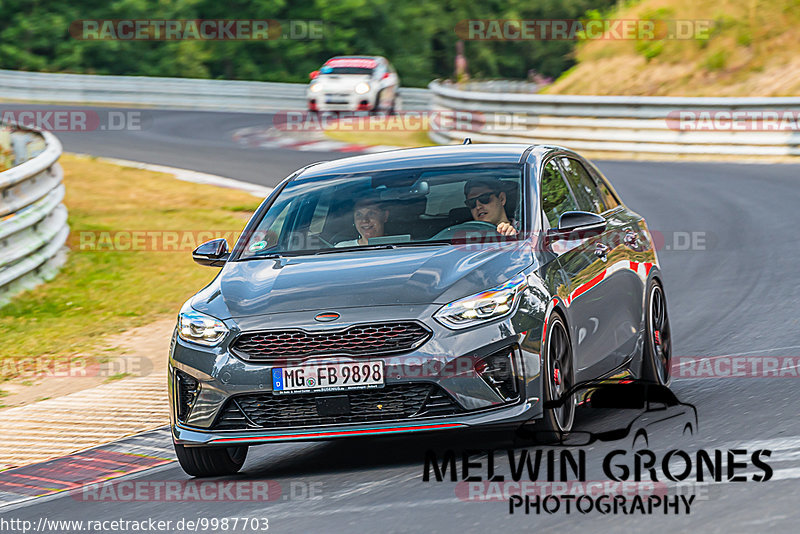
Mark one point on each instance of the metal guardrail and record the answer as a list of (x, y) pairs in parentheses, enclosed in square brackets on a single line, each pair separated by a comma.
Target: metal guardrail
[(185, 93), (611, 123), (33, 221)]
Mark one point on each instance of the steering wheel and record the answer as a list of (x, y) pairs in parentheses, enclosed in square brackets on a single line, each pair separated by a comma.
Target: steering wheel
[(477, 226), (325, 241), (474, 225)]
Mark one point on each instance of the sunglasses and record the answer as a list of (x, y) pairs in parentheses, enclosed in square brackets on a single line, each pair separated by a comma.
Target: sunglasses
[(483, 199)]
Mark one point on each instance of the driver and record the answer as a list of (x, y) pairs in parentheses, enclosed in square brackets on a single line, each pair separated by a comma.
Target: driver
[(486, 200), (369, 216)]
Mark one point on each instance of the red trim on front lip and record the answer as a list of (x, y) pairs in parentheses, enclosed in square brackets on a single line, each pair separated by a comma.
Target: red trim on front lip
[(342, 433)]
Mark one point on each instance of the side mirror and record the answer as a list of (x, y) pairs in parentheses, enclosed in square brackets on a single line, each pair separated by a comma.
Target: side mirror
[(577, 225), (212, 253), (313, 74)]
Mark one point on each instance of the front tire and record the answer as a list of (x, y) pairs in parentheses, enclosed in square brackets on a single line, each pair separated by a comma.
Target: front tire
[(558, 377), (211, 461), (657, 350)]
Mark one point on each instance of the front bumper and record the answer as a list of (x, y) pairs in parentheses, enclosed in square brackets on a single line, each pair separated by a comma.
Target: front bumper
[(323, 101), (516, 414), (445, 360)]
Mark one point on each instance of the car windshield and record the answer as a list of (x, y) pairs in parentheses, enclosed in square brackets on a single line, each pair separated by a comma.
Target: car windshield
[(389, 209), (346, 70)]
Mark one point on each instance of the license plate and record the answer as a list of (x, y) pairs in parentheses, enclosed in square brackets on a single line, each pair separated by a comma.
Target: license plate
[(327, 377)]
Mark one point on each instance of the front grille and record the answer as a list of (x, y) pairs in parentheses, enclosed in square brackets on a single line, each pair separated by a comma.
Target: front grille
[(390, 403), (364, 339)]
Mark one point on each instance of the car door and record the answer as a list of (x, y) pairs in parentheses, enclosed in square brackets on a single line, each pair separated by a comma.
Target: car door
[(579, 270), (606, 293)]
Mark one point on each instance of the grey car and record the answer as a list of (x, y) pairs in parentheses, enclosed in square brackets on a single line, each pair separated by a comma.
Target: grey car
[(417, 290)]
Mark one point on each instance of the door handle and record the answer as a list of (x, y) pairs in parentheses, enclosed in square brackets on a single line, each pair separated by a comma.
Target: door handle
[(601, 251)]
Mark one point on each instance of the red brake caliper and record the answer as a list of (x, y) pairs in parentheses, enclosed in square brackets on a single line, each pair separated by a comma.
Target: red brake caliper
[(556, 377), (658, 337)]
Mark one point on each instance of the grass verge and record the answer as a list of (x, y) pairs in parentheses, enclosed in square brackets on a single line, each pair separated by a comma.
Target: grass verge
[(112, 283), (403, 138)]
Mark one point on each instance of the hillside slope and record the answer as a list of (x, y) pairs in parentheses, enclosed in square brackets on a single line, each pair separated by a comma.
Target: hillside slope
[(751, 49)]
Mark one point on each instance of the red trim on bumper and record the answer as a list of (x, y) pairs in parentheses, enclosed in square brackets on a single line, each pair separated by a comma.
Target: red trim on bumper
[(342, 433)]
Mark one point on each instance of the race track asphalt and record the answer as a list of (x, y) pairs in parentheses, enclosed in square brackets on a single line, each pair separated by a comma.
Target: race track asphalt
[(737, 296)]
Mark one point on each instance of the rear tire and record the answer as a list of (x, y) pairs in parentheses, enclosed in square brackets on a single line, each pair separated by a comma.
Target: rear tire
[(657, 350), (211, 461)]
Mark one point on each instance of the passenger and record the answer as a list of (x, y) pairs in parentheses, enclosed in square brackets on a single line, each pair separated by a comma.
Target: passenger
[(369, 216), (486, 200)]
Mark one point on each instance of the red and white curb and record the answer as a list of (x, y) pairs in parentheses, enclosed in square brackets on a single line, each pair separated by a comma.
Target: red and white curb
[(313, 141)]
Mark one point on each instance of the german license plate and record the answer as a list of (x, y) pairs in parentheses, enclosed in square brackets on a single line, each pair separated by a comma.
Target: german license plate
[(327, 377)]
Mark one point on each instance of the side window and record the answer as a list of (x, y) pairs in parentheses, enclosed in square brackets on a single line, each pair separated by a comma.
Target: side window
[(608, 197), (320, 214), (583, 186), (273, 232), (556, 198)]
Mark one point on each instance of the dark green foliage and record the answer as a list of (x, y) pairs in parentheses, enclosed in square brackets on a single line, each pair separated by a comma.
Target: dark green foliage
[(418, 36)]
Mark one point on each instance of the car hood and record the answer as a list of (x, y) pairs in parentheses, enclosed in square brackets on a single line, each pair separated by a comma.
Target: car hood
[(403, 276), (341, 82)]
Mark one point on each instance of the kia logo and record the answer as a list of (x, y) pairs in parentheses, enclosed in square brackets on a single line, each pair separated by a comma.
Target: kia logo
[(326, 317)]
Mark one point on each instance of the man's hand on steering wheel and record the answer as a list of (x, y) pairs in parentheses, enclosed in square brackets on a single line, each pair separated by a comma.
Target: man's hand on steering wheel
[(505, 229)]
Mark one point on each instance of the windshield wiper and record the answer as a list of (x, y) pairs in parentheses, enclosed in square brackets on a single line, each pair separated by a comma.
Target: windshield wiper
[(356, 247), (437, 243), (272, 256), (385, 246)]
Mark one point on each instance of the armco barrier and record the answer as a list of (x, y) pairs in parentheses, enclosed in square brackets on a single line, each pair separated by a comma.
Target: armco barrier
[(33, 221), (186, 93), (612, 123)]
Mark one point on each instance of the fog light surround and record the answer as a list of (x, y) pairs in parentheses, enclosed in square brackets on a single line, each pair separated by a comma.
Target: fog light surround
[(187, 388), (500, 371)]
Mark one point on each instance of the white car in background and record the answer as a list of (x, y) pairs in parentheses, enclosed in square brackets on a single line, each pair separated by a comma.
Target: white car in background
[(354, 83)]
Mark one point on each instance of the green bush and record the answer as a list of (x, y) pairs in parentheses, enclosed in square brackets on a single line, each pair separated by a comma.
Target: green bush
[(717, 60)]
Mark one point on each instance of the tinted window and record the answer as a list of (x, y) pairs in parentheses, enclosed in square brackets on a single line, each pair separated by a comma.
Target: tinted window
[(583, 186), (556, 198), (398, 207), (605, 192), (346, 70)]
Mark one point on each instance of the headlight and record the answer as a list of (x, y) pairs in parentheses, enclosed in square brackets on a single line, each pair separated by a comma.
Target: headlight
[(481, 307), (316, 88), (199, 328), (362, 88)]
